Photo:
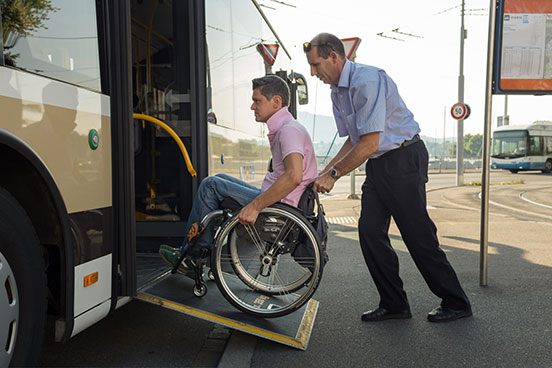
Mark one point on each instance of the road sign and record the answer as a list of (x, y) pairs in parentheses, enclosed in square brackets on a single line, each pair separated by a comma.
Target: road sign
[(351, 45), (460, 111)]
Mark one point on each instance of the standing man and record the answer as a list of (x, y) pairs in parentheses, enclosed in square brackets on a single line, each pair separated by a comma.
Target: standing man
[(369, 110), (293, 167)]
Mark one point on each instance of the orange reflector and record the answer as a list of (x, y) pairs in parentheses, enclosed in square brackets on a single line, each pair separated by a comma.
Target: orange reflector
[(90, 279)]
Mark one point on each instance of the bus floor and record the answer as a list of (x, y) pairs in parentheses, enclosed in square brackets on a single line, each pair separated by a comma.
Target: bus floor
[(158, 286)]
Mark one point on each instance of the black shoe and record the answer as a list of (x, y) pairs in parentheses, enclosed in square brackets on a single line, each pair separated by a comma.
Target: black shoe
[(443, 314), (381, 314)]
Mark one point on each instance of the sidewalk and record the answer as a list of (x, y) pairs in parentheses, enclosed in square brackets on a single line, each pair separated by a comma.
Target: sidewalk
[(512, 323)]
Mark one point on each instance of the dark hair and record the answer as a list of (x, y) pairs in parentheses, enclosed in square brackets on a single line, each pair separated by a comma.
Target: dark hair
[(272, 85), (326, 43)]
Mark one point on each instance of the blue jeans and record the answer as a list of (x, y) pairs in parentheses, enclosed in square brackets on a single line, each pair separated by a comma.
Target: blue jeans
[(210, 194)]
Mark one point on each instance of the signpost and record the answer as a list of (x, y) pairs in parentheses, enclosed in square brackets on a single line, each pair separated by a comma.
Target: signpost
[(519, 61)]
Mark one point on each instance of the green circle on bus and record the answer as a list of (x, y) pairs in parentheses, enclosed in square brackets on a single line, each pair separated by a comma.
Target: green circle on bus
[(93, 139)]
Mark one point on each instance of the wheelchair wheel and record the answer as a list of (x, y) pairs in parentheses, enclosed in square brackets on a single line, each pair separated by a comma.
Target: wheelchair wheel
[(258, 268)]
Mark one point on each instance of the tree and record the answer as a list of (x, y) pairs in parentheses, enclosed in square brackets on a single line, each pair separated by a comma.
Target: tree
[(472, 146), (22, 18)]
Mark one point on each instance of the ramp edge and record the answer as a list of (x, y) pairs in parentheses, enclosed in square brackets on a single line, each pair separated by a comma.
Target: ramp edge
[(300, 342)]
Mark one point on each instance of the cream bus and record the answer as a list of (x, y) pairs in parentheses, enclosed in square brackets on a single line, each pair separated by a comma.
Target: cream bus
[(87, 193)]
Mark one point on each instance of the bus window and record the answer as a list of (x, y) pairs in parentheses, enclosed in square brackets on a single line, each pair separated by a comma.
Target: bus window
[(57, 39), (535, 146), (510, 143), (548, 145)]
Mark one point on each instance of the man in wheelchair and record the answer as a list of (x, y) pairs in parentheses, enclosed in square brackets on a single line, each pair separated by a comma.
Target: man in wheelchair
[(292, 168)]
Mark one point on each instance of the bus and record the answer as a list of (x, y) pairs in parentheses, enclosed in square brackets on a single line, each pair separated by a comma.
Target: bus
[(523, 147), (87, 192)]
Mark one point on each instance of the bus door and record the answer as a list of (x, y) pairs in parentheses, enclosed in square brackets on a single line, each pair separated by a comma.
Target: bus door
[(168, 83)]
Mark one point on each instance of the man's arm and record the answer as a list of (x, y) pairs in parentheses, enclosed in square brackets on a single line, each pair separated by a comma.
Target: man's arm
[(368, 144), (285, 184)]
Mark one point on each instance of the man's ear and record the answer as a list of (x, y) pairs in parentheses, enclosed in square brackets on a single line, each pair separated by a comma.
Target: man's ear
[(277, 101), (333, 56)]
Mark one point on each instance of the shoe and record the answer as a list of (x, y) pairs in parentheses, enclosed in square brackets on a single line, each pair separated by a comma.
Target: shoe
[(381, 314), (443, 314), (165, 246), (171, 255)]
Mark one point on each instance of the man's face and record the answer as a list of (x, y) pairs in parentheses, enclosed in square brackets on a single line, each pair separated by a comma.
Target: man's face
[(324, 69), (263, 107)]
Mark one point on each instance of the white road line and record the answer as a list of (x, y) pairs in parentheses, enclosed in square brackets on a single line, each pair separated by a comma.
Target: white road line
[(533, 202), (517, 209), (342, 220)]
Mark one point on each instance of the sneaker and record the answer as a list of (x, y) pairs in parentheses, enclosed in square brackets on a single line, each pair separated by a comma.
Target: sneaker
[(166, 246), (171, 255)]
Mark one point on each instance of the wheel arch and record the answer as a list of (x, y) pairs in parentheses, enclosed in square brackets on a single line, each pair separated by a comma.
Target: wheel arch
[(27, 179)]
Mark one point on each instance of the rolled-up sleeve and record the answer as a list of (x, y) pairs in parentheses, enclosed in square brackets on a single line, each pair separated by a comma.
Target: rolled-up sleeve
[(339, 122), (369, 102), (292, 140)]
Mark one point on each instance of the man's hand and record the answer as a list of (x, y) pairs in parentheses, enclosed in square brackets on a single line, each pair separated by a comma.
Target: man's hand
[(324, 183), (248, 214)]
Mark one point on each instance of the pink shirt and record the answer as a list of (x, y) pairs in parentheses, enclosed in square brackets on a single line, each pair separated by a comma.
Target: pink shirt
[(287, 136)]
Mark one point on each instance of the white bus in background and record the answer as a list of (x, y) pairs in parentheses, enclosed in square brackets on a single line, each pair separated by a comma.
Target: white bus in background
[(523, 147)]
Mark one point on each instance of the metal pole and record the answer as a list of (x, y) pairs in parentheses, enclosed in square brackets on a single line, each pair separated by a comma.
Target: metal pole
[(271, 28), (505, 120), (484, 238), (444, 138), (353, 195), (460, 135)]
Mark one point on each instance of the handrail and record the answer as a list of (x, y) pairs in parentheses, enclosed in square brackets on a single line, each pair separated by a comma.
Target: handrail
[(169, 130)]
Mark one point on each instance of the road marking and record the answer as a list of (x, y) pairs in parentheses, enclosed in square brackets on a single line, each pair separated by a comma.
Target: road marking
[(533, 202), (517, 209), (342, 220)]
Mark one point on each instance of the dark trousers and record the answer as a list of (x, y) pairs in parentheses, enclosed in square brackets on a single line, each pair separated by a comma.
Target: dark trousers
[(395, 186)]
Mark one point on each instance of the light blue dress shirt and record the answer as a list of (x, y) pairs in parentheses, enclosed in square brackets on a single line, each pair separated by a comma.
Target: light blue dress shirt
[(366, 100)]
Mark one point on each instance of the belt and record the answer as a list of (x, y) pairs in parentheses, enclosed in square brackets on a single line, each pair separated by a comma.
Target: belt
[(414, 139)]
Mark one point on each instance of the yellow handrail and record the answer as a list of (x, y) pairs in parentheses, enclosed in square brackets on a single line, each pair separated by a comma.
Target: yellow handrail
[(169, 130)]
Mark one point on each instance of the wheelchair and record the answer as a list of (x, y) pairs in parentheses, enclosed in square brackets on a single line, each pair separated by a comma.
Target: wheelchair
[(268, 269)]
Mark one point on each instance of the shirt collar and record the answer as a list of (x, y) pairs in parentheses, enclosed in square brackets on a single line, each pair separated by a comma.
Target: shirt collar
[(276, 121), (344, 76)]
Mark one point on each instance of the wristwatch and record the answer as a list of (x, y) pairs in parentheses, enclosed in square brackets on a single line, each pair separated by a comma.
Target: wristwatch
[(334, 174)]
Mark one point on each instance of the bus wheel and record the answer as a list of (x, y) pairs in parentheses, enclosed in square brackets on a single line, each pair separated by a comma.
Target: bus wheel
[(514, 171), (547, 167), (23, 293)]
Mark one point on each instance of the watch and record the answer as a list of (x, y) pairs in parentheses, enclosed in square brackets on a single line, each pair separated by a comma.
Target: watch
[(334, 174)]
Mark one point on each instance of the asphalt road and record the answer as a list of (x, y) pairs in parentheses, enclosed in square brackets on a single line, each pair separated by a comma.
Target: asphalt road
[(510, 327)]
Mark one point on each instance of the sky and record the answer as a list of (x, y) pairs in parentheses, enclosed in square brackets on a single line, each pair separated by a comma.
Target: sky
[(425, 68)]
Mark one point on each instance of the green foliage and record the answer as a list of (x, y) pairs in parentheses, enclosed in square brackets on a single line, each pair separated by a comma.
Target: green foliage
[(23, 17), (472, 146)]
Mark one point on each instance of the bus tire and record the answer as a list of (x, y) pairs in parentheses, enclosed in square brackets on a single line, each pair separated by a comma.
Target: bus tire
[(514, 171), (547, 167), (23, 292)]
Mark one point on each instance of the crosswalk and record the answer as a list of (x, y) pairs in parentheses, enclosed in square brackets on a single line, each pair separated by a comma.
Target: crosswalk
[(342, 220)]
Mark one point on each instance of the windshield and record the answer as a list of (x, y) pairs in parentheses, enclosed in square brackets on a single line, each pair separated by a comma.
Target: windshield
[(509, 144)]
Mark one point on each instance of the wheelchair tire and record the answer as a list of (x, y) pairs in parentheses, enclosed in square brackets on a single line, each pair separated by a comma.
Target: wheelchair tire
[(259, 275)]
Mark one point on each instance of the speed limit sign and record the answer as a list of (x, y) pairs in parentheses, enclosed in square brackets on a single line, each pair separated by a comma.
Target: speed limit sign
[(460, 111)]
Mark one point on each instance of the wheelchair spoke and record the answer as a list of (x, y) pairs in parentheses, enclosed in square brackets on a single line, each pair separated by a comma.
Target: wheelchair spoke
[(286, 228), (255, 237), (255, 267)]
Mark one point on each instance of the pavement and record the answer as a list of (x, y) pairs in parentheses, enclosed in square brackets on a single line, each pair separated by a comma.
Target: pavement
[(512, 321), (511, 325)]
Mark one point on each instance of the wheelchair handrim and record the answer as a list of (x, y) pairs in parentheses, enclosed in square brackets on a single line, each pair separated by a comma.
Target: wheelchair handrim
[(311, 279)]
